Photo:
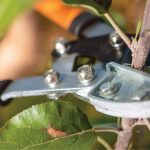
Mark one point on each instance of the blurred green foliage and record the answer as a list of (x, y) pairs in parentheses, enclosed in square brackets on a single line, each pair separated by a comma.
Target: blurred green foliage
[(119, 18)]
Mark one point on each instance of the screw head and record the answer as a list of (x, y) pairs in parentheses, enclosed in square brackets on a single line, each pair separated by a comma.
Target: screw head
[(85, 74), (107, 88), (115, 40), (60, 46), (51, 78)]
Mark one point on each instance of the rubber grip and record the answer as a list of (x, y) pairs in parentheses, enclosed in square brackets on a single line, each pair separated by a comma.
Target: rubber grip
[(3, 85), (58, 12)]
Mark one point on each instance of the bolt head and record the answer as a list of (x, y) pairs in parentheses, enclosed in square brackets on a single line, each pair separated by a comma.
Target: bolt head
[(60, 46), (51, 78), (107, 88), (115, 40), (85, 73)]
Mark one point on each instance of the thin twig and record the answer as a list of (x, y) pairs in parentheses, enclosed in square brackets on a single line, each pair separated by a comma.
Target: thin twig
[(104, 143), (140, 122), (147, 123), (118, 30), (107, 130)]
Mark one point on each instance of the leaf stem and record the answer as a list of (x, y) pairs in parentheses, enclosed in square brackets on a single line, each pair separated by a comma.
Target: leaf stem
[(118, 30), (147, 123), (107, 130), (104, 143)]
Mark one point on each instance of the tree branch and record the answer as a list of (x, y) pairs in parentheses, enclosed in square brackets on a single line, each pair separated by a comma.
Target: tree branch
[(125, 134), (140, 52), (141, 48)]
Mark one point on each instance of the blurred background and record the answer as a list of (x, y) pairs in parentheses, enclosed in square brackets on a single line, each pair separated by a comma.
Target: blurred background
[(28, 40)]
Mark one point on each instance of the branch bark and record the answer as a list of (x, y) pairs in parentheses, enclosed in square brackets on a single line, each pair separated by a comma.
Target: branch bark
[(140, 51), (125, 134), (141, 48)]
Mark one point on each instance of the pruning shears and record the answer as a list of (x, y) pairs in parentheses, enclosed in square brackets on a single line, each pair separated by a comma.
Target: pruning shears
[(110, 86)]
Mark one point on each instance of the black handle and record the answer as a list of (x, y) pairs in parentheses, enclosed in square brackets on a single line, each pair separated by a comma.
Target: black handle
[(3, 85)]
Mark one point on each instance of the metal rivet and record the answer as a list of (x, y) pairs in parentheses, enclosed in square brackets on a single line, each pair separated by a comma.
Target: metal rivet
[(60, 46), (107, 88), (115, 40), (51, 78), (85, 73)]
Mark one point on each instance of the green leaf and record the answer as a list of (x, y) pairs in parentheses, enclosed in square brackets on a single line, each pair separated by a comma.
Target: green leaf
[(29, 128), (6, 146), (8, 11), (89, 4)]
